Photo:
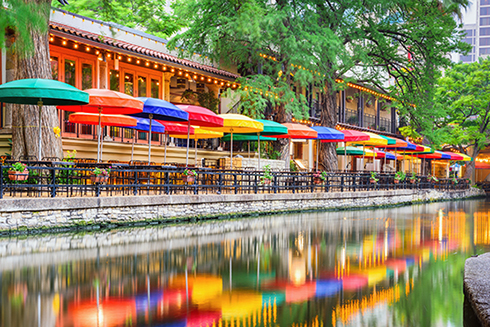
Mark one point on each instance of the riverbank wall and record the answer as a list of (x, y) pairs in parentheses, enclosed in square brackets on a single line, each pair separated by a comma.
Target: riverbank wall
[(34, 215)]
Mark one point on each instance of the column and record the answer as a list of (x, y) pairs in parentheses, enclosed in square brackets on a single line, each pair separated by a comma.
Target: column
[(102, 72), (166, 85), (342, 105), (378, 109), (310, 154), (393, 120)]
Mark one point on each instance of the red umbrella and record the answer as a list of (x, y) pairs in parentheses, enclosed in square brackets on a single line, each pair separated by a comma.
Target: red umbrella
[(454, 156), (104, 101), (102, 120), (353, 136), (174, 129), (201, 117), (297, 131)]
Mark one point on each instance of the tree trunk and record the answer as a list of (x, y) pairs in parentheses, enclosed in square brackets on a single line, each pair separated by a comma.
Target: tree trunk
[(470, 166), (25, 118), (328, 118), (282, 145)]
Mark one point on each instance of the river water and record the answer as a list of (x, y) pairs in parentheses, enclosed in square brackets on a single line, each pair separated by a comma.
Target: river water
[(390, 267)]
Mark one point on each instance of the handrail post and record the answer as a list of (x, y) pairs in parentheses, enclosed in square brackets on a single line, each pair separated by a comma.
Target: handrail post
[(135, 190), (1, 180), (53, 182)]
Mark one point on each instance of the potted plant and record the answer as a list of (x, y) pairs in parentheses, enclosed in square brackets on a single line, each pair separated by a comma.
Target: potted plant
[(18, 172), (373, 179), (349, 99), (266, 179), (369, 103), (189, 176), (454, 181), (399, 177), (319, 177), (413, 178), (100, 175), (432, 179)]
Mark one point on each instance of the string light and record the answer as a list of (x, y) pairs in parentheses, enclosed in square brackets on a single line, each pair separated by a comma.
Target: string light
[(87, 49), (64, 42)]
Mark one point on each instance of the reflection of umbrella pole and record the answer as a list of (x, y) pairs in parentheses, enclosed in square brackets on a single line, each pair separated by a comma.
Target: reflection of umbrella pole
[(149, 139), (40, 105), (258, 142), (165, 152), (188, 137), (132, 147)]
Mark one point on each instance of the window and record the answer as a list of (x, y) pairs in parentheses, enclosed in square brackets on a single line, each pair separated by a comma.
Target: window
[(70, 70), (141, 86), (181, 83), (142, 136), (485, 11), (155, 88), (87, 76), (484, 41), (484, 2), (484, 51), (485, 31), (114, 80), (485, 21), (468, 40), (55, 68), (128, 84), (468, 32), (466, 58)]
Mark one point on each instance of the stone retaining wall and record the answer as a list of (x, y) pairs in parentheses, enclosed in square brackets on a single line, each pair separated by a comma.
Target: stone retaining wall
[(41, 213)]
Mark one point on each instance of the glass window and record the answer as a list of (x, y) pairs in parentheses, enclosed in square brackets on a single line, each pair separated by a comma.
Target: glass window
[(87, 76), (466, 58), (114, 77), (485, 21), (468, 40), (155, 88), (141, 86), (484, 51), (485, 41), (485, 11), (55, 68), (142, 136), (128, 84), (70, 69), (468, 32), (485, 31), (484, 2)]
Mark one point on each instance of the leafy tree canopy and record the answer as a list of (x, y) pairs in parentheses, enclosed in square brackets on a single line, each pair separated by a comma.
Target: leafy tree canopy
[(463, 105), (147, 16)]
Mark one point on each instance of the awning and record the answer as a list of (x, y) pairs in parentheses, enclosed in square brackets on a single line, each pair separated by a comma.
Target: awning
[(328, 134), (298, 131)]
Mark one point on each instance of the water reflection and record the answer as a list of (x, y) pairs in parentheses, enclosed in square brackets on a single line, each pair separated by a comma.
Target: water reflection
[(396, 267)]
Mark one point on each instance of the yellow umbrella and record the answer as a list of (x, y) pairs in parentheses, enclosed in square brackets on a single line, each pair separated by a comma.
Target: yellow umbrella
[(465, 157), (238, 304), (204, 288), (199, 133), (233, 123)]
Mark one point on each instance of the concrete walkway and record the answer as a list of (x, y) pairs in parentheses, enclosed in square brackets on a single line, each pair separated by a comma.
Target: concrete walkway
[(477, 291)]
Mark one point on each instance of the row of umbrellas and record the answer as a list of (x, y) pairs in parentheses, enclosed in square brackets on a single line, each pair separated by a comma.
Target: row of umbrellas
[(109, 108)]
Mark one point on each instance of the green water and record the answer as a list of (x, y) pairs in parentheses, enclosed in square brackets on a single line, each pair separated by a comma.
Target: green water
[(390, 267)]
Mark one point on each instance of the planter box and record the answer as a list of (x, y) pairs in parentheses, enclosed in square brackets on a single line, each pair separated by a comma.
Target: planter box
[(100, 179), (18, 175)]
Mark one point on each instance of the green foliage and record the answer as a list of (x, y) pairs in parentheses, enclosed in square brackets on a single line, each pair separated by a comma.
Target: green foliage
[(413, 177), (147, 16), (409, 131), (267, 175), (206, 99), (101, 171), (400, 176), (321, 175), (463, 103), (18, 166), (190, 172), (433, 178), (374, 176), (292, 166), (21, 18)]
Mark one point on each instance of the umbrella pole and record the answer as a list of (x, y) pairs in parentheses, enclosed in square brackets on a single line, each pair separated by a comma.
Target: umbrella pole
[(345, 156), (384, 166), (363, 152), (132, 147), (195, 152), (98, 136), (188, 137), (40, 105), (248, 150), (317, 150), (258, 142), (165, 152), (149, 139), (231, 150), (395, 161)]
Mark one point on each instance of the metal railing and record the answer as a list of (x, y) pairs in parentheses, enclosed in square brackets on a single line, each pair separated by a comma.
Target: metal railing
[(46, 181)]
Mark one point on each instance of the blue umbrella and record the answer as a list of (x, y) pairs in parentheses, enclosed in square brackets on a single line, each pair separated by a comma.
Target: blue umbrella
[(327, 287), (161, 110), (326, 133), (144, 125), (141, 301)]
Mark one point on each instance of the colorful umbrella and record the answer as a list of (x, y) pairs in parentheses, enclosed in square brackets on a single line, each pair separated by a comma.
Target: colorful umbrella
[(482, 165), (109, 312), (104, 101), (175, 129), (162, 110), (199, 133), (327, 134), (352, 136), (37, 91), (353, 282), (248, 138), (297, 131), (328, 287), (454, 156), (233, 123), (349, 151), (201, 117), (145, 125), (101, 120)]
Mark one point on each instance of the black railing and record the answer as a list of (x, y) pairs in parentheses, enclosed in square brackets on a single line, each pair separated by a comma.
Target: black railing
[(49, 181)]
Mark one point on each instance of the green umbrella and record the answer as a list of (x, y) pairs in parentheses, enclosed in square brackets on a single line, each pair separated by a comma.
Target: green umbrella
[(351, 151), (271, 128), (37, 91)]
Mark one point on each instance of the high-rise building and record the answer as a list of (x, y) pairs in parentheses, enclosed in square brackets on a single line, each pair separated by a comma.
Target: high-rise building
[(476, 24)]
